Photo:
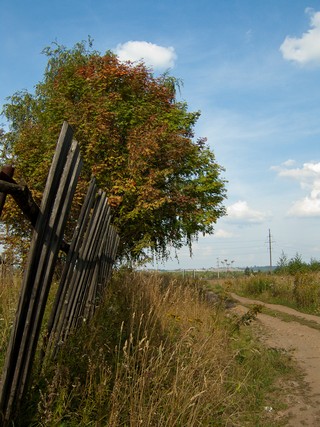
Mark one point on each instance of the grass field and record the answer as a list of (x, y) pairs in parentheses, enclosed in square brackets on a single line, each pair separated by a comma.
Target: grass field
[(300, 290), (157, 353)]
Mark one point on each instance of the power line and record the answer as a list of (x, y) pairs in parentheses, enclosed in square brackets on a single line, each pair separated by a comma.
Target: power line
[(270, 251), (270, 242)]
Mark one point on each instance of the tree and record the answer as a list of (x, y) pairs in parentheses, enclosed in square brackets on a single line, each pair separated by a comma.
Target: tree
[(135, 137), (314, 264), (282, 264), (297, 265)]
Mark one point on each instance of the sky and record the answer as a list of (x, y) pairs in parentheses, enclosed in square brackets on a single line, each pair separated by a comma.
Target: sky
[(251, 67)]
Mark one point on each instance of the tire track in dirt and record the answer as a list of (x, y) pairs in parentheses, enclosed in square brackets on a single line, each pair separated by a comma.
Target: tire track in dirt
[(303, 343)]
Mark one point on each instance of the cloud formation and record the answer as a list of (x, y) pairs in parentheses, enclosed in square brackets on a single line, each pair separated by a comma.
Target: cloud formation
[(306, 49), (240, 211), (308, 177), (153, 55), (223, 234)]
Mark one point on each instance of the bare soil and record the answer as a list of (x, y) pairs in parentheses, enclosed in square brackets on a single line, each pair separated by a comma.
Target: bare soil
[(302, 395)]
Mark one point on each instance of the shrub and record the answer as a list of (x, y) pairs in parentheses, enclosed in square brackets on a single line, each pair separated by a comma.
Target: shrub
[(257, 285), (306, 291)]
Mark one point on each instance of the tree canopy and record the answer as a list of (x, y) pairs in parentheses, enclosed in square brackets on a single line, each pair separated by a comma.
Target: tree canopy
[(136, 138)]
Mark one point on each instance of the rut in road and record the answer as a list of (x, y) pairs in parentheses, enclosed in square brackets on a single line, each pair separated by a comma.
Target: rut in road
[(303, 343)]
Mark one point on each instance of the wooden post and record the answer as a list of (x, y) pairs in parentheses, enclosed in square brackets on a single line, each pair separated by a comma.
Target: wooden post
[(45, 244), (88, 267), (9, 171)]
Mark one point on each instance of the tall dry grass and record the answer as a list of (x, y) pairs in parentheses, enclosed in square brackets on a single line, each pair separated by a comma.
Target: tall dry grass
[(9, 293), (155, 354), (161, 363), (173, 361)]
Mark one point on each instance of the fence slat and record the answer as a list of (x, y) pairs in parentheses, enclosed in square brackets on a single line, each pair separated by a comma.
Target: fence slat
[(24, 334), (89, 303), (81, 281), (59, 310), (86, 261), (57, 223), (88, 267)]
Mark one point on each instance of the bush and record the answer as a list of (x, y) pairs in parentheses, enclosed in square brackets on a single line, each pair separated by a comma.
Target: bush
[(257, 285), (306, 291)]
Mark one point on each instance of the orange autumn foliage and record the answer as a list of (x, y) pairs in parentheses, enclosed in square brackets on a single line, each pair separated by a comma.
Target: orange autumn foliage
[(136, 138)]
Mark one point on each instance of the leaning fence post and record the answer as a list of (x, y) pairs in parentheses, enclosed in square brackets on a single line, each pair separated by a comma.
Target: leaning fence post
[(8, 170), (46, 240), (88, 267)]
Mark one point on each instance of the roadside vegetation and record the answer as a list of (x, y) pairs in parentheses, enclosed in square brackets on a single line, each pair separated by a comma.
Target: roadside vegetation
[(157, 353), (293, 283)]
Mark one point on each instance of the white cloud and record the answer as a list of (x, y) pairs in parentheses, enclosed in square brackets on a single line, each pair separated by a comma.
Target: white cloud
[(289, 162), (240, 211), (307, 207), (223, 234), (306, 49), (155, 56), (308, 177)]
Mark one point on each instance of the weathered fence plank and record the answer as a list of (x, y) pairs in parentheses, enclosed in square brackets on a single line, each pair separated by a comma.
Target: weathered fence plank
[(37, 278), (67, 281), (49, 256), (99, 227), (84, 266), (77, 296), (89, 302), (88, 267)]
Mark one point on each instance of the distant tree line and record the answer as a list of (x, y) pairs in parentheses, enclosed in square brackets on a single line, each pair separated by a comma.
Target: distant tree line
[(296, 265)]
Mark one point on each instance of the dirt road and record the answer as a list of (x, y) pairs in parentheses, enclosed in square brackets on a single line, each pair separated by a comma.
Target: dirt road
[(303, 342)]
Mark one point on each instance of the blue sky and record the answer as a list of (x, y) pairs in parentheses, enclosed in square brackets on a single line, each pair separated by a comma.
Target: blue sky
[(253, 70)]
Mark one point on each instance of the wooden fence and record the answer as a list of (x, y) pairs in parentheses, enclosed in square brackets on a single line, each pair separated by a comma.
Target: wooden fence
[(87, 269)]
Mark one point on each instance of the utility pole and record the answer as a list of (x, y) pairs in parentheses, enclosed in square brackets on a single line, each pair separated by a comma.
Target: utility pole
[(270, 251), (218, 263)]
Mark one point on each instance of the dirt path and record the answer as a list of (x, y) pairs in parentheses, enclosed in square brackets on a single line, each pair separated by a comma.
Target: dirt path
[(303, 343)]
